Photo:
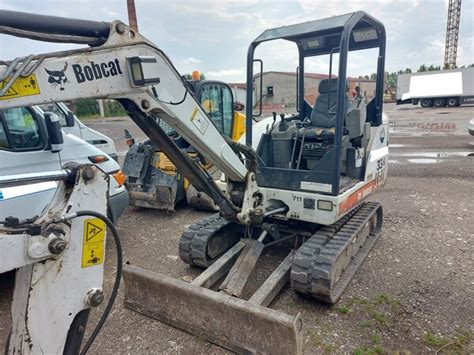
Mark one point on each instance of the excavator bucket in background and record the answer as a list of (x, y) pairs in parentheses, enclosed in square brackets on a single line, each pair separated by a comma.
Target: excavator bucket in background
[(233, 323)]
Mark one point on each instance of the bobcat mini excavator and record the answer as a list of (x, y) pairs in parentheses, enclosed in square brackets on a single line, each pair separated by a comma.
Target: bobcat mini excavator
[(306, 182)]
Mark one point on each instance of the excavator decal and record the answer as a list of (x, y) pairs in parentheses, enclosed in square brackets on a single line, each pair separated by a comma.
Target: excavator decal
[(57, 77)]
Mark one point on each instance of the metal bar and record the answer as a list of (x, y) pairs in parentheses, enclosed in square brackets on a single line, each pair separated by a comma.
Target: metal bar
[(236, 324), (273, 285), (31, 178), (220, 268), (238, 275), (249, 96), (16, 74), (48, 26), (275, 211)]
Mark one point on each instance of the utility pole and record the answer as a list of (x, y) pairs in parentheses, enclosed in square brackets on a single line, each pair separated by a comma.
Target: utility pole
[(132, 15), (452, 34)]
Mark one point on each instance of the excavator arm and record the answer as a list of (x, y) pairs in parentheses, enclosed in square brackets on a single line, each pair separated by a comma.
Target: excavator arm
[(123, 65)]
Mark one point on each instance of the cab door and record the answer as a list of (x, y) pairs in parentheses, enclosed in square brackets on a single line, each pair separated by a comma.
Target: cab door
[(217, 100), (24, 148)]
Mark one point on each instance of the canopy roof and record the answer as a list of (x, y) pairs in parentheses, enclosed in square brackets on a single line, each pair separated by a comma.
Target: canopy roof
[(323, 36)]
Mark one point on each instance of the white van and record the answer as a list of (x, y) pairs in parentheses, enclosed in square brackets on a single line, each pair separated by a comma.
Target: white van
[(71, 124), (26, 146)]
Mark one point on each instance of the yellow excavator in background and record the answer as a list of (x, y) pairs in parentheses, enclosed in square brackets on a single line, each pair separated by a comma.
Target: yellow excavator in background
[(153, 180)]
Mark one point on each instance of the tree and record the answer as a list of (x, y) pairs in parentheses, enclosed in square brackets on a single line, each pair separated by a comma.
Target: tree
[(373, 76), (423, 68)]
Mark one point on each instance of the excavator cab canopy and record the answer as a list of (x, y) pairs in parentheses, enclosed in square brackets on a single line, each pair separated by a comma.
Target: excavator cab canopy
[(337, 34)]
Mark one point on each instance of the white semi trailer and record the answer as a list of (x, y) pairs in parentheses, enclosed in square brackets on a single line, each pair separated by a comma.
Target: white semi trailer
[(439, 88)]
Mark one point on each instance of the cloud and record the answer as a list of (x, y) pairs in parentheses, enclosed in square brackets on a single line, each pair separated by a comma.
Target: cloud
[(213, 36), (228, 75)]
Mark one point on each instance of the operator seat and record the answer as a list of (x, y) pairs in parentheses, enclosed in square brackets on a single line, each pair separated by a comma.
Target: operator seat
[(323, 116)]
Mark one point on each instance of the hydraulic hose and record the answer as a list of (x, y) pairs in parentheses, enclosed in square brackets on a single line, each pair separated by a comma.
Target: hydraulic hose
[(118, 275)]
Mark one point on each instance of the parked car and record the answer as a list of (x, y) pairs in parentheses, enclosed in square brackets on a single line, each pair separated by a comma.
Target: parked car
[(27, 145), (470, 127)]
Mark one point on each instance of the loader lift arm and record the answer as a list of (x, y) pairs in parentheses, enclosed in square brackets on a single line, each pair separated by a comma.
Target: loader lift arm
[(121, 64)]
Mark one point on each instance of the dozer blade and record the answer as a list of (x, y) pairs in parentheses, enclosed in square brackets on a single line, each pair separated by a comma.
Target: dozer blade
[(238, 325)]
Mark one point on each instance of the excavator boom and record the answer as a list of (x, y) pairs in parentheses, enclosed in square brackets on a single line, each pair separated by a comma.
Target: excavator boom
[(126, 67)]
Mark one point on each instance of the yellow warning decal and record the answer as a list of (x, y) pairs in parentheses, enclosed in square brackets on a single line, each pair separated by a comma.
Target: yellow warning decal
[(193, 115), (21, 87), (93, 245)]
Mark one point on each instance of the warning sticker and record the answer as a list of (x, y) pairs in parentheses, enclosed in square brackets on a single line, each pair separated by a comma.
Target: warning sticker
[(93, 245), (21, 87), (199, 121)]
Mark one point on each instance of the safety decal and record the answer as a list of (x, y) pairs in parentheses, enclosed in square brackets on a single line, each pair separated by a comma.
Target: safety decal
[(21, 87), (93, 244), (199, 121)]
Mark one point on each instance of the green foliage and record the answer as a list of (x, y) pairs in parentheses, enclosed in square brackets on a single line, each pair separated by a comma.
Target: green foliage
[(112, 109), (434, 340), (424, 68), (86, 107), (383, 298), (369, 351), (90, 108), (342, 309), (459, 343), (379, 317)]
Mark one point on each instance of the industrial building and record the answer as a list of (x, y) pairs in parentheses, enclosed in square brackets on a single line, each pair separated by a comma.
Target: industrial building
[(279, 88)]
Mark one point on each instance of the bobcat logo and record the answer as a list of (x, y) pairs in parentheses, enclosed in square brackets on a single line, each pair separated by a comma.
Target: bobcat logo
[(57, 77)]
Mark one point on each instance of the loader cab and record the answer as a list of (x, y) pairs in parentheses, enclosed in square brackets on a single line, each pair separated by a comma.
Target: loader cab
[(323, 145), (217, 99)]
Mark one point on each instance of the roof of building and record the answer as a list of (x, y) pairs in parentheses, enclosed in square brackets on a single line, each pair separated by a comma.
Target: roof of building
[(238, 85), (316, 76)]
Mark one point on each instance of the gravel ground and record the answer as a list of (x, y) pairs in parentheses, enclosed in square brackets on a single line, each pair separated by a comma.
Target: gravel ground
[(413, 294)]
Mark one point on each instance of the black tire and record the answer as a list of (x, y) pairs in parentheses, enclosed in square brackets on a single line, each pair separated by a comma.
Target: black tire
[(426, 103), (452, 101), (439, 102)]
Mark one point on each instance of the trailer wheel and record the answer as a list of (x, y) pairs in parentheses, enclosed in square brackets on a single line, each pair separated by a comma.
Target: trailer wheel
[(439, 102), (426, 103), (452, 101)]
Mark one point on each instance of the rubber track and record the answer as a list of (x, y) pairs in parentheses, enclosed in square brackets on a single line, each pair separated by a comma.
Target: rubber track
[(193, 242), (315, 261)]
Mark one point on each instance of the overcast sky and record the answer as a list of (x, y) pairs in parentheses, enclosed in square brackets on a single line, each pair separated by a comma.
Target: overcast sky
[(213, 36)]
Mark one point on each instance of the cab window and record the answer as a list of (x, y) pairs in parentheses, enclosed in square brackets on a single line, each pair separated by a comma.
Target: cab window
[(20, 129), (217, 101), (52, 107)]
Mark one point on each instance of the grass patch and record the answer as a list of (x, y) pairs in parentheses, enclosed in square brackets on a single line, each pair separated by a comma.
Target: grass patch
[(379, 317), (434, 340), (366, 323), (458, 343), (383, 298), (373, 350), (375, 339), (329, 348), (342, 309)]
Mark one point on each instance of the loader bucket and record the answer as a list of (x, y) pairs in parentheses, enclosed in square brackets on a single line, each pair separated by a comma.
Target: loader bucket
[(238, 325)]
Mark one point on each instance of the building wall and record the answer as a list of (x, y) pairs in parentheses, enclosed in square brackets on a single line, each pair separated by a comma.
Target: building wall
[(240, 94), (284, 90)]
